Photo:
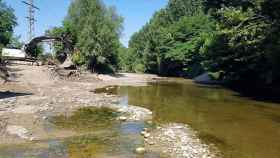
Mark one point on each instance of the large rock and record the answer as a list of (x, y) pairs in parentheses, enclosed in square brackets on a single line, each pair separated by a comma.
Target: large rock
[(206, 79)]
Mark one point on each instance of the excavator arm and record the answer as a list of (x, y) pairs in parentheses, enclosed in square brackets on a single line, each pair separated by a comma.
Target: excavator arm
[(31, 46)]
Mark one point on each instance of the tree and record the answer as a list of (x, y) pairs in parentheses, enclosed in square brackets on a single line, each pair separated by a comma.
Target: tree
[(184, 56), (7, 24), (214, 5), (246, 44), (15, 42), (165, 44), (236, 40), (56, 32), (97, 30)]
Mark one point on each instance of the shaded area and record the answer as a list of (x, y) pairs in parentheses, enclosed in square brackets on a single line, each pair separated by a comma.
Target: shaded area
[(8, 94), (264, 93)]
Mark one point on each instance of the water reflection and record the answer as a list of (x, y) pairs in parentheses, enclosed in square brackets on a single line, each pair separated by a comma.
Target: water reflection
[(241, 127)]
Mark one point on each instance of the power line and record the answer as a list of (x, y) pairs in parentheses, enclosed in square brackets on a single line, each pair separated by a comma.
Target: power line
[(31, 17)]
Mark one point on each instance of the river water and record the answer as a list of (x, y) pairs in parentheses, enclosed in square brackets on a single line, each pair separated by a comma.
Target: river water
[(239, 126)]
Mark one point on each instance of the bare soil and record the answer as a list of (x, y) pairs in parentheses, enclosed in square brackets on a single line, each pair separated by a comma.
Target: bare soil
[(36, 93)]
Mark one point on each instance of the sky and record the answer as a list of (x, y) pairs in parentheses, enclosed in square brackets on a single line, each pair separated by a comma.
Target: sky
[(136, 13)]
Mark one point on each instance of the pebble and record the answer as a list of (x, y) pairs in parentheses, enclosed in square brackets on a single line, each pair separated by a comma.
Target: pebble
[(151, 143), (31, 138), (147, 135), (140, 150), (122, 118), (143, 133)]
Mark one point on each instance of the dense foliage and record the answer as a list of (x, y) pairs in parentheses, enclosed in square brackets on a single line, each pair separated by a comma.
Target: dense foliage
[(95, 31), (245, 46), (238, 40), (7, 24), (170, 43)]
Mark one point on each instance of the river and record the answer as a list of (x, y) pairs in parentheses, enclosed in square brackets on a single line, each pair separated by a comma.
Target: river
[(239, 126)]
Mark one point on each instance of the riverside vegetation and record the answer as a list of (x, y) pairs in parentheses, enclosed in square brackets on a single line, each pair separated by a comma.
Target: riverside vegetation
[(231, 40)]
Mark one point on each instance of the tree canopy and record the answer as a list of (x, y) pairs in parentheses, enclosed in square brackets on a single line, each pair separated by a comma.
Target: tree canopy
[(95, 30), (233, 39), (237, 40), (7, 24)]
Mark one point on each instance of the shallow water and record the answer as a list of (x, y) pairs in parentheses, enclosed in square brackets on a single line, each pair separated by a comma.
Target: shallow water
[(99, 135), (239, 126)]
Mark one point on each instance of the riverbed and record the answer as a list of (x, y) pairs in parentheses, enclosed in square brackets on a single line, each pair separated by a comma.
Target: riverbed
[(43, 117)]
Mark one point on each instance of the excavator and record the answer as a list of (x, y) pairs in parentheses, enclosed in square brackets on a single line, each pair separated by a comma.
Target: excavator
[(64, 39), (27, 52), (29, 48)]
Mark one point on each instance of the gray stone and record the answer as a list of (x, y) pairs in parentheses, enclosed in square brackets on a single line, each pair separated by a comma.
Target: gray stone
[(140, 150)]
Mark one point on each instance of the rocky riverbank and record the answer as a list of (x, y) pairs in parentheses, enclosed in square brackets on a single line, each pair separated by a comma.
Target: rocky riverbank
[(178, 140), (34, 96)]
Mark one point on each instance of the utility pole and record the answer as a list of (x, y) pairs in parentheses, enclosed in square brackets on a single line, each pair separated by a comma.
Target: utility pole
[(31, 17)]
